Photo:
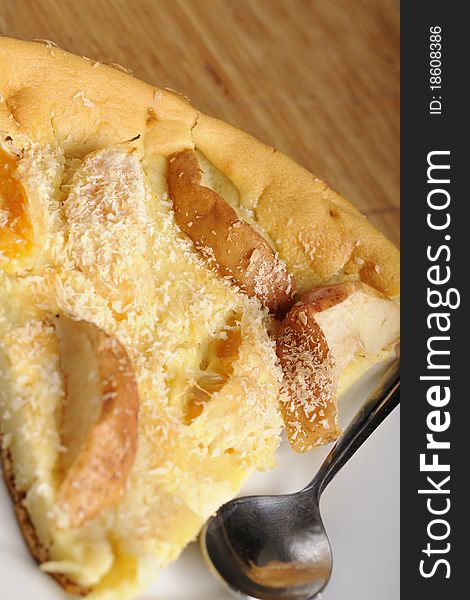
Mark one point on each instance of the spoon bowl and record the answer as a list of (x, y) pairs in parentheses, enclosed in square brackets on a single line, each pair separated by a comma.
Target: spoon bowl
[(276, 547), (251, 548)]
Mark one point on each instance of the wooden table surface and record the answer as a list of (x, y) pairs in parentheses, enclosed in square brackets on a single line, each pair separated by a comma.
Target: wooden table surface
[(317, 79)]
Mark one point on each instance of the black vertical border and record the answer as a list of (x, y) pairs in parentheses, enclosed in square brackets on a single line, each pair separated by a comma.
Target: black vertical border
[(420, 134)]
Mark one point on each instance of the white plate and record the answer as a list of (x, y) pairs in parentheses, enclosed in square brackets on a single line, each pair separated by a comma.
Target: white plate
[(360, 510)]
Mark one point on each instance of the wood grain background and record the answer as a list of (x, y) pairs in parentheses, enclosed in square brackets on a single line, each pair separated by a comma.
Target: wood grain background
[(317, 79)]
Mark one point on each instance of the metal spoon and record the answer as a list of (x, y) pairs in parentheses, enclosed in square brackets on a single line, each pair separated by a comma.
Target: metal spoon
[(273, 547)]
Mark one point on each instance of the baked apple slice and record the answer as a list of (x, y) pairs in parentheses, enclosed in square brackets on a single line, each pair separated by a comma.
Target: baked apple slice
[(322, 335), (99, 420), (15, 222), (229, 244), (216, 368)]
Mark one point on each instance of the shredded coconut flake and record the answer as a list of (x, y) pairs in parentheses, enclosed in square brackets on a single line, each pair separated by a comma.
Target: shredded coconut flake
[(86, 102)]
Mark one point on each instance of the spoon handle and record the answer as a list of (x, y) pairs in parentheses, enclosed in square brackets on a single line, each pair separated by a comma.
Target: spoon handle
[(374, 410)]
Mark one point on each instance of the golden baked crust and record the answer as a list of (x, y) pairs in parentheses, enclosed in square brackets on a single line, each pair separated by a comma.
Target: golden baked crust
[(53, 96), (82, 126), (27, 528)]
